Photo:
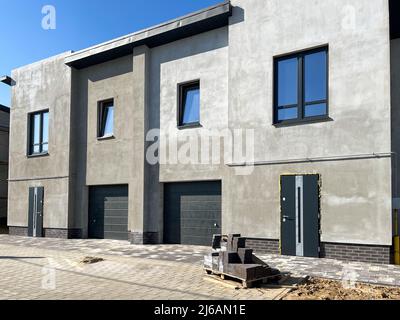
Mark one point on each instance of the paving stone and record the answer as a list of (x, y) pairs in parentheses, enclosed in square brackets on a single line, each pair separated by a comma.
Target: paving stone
[(144, 272)]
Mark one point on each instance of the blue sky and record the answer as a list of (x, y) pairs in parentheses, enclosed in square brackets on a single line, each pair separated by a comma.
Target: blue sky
[(79, 24)]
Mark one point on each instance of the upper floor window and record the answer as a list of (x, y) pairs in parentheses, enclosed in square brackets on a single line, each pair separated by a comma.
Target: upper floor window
[(301, 86), (39, 133), (106, 119), (189, 104)]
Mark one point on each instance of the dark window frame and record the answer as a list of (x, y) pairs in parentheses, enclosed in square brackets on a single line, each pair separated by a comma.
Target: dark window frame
[(31, 134), (101, 105), (301, 104), (180, 114)]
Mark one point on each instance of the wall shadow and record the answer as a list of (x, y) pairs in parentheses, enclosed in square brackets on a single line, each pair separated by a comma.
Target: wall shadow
[(110, 69), (238, 15), (78, 211)]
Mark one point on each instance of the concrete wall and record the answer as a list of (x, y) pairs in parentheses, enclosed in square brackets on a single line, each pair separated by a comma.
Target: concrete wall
[(121, 159), (359, 83), (42, 85), (95, 161), (355, 201), (356, 195), (105, 81), (56, 202), (138, 195), (4, 124), (203, 57)]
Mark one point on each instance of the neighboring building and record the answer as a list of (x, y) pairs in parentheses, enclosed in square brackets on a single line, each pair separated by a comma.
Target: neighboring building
[(325, 131), (4, 128)]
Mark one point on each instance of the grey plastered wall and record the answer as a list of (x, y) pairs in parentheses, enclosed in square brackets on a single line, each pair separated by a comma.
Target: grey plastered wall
[(109, 161), (356, 208), (354, 199), (137, 194), (4, 125), (39, 86), (395, 85), (203, 57), (146, 194), (78, 217), (56, 202), (120, 160), (94, 161)]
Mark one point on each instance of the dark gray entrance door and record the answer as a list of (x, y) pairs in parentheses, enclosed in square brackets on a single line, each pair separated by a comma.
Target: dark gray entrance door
[(108, 212), (192, 212), (300, 215), (35, 215)]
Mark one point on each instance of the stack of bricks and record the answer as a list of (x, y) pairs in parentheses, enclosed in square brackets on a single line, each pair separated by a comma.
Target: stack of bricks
[(231, 257)]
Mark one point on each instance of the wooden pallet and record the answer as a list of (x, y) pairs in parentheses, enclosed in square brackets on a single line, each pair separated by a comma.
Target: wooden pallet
[(245, 283)]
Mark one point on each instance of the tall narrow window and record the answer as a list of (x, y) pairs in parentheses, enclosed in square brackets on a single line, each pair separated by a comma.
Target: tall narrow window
[(106, 119), (189, 104), (39, 133), (301, 86)]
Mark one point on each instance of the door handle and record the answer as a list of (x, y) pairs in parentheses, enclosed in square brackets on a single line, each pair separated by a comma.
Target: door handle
[(287, 218)]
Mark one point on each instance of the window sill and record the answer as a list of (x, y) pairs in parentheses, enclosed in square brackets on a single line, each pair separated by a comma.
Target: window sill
[(38, 155), (291, 123), (190, 126), (110, 137)]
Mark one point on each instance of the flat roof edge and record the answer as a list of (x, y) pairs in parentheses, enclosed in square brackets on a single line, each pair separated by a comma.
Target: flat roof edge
[(4, 108), (194, 23)]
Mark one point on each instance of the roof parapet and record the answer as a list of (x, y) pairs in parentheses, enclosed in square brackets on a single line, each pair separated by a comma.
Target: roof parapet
[(194, 23)]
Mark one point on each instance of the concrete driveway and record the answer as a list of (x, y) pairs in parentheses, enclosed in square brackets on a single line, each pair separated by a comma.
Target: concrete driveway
[(52, 269)]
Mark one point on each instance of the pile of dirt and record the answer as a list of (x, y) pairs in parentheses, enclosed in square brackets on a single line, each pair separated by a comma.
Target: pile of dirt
[(91, 260), (320, 289)]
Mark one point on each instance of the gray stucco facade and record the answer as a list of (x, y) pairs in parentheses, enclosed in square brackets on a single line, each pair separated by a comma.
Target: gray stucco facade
[(230, 48)]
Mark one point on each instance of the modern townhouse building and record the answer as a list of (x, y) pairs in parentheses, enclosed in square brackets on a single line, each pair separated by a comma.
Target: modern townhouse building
[(312, 87), (4, 129)]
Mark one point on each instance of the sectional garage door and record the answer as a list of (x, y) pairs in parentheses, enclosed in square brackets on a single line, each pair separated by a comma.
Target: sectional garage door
[(108, 212), (192, 212)]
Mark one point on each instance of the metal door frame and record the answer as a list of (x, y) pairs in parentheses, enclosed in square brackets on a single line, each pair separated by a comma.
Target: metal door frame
[(299, 188)]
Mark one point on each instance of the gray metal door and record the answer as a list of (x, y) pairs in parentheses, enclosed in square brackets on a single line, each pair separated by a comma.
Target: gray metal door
[(300, 215), (35, 215), (108, 212), (192, 212), (288, 218)]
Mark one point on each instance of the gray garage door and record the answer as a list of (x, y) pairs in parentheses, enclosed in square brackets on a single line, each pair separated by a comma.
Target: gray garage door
[(192, 212), (108, 212)]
